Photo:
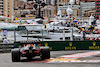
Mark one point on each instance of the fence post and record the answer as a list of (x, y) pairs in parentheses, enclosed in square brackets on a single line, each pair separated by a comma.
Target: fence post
[(63, 35), (3, 48), (15, 35), (27, 35)]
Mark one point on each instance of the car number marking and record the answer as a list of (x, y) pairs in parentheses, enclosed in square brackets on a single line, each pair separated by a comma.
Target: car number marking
[(30, 51)]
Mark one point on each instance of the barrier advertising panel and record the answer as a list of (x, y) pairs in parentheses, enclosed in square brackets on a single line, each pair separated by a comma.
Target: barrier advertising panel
[(69, 45), (72, 45)]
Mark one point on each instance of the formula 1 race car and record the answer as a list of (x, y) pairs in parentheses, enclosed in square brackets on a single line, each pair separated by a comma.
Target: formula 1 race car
[(30, 50)]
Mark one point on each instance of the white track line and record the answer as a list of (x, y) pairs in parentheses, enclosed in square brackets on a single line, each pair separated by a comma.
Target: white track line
[(73, 61)]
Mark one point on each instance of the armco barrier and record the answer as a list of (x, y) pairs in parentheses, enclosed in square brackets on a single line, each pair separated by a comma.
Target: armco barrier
[(69, 45), (6, 47), (72, 45)]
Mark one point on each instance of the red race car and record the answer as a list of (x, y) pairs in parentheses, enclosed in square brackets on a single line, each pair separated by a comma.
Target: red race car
[(30, 50)]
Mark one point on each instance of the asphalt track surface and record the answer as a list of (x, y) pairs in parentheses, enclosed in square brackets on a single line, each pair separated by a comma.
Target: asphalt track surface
[(5, 60)]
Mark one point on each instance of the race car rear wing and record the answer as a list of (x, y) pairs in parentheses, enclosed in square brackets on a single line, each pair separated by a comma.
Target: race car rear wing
[(22, 43), (30, 42)]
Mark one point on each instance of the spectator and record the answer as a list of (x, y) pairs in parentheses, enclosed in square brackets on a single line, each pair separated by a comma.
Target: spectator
[(97, 38), (84, 35), (19, 46), (62, 23), (66, 24), (53, 30), (5, 40), (93, 39), (1, 32), (87, 38)]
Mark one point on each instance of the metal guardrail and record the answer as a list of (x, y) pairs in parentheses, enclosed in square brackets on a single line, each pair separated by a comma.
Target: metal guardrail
[(6, 47)]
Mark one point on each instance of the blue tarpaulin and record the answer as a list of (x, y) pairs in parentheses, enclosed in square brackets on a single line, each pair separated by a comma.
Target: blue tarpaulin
[(76, 21)]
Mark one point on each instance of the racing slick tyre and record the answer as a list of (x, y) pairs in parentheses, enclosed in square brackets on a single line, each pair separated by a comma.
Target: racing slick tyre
[(45, 53), (15, 55)]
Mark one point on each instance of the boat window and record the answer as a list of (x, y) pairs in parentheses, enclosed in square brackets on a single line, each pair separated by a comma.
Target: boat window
[(21, 28), (47, 38), (61, 31), (40, 22)]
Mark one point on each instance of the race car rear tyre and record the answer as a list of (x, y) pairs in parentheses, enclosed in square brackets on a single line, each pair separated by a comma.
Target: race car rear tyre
[(45, 53), (15, 55)]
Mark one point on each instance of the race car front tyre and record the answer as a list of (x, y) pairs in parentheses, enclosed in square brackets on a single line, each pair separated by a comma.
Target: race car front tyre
[(15, 55), (45, 53)]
